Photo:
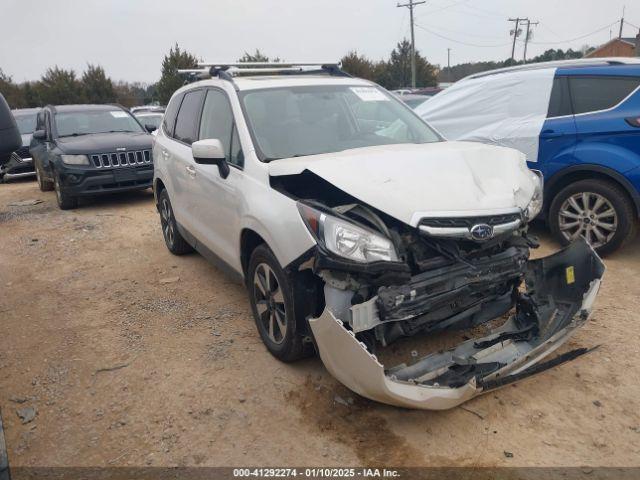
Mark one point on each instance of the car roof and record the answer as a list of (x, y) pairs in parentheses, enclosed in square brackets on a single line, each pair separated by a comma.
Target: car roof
[(84, 108), (19, 111), (255, 82), (575, 63)]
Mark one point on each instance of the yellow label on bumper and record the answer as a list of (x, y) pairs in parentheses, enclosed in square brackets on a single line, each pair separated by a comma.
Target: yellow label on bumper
[(571, 275)]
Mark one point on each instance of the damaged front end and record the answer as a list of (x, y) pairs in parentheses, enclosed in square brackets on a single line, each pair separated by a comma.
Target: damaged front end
[(403, 281)]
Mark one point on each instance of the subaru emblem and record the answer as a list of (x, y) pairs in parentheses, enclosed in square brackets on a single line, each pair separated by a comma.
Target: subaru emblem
[(481, 232)]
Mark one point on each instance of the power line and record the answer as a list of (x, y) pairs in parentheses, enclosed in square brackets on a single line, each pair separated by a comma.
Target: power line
[(577, 38), (451, 5), (411, 5), (455, 32), (458, 41)]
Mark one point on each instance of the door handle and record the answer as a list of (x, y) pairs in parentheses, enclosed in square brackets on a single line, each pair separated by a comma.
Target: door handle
[(550, 134)]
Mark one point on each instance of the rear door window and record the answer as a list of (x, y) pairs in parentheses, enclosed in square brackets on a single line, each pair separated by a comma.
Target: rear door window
[(591, 94), (169, 120), (560, 101), (189, 117)]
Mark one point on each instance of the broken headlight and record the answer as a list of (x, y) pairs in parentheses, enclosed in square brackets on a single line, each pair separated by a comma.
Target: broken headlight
[(347, 239), (536, 202)]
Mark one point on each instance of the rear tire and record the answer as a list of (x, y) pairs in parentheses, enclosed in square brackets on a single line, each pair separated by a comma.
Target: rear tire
[(597, 209), (271, 296), (65, 201), (44, 185), (174, 241)]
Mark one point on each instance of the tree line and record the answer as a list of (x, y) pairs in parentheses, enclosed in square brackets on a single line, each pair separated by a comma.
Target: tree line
[(462, 70), (60, 86)]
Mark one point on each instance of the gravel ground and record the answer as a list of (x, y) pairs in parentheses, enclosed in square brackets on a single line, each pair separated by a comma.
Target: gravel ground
[(124, 355)]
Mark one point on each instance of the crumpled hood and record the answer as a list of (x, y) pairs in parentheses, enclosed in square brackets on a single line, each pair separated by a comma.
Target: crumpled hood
[(105, 142), (410, 182)]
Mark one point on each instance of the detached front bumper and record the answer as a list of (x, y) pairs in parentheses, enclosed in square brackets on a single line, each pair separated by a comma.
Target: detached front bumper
[(561, 290)]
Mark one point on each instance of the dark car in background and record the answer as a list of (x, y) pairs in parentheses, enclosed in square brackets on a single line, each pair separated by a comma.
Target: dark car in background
[(151, 120), (84, 150), (20, 163)]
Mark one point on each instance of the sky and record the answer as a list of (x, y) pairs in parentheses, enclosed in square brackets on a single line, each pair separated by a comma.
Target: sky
[(130, 37)]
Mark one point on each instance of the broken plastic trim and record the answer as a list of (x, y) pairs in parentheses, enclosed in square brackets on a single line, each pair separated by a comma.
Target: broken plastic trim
[(561, 288)]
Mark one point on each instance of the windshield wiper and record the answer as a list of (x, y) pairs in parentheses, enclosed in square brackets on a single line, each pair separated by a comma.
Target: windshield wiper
[(74, 135), (118, 131)]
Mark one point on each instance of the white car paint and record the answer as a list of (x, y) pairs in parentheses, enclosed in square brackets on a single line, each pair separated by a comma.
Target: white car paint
[(410, 182), (407, 182)]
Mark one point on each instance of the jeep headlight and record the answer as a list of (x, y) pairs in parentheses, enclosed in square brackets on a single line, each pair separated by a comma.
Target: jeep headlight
[(347, 239), (537, 199), (75, 159)]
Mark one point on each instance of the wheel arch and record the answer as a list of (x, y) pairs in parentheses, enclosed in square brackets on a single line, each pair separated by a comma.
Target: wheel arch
[(576, 173), (158, 187), (249, 241)]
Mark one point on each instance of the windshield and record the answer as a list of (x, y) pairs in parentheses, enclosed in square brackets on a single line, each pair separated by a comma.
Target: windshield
[(297, 121), (96, 121), (26, 122), (147, 119)]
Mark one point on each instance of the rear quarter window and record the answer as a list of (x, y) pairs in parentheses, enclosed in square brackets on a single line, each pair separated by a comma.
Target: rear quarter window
[(591, 94)]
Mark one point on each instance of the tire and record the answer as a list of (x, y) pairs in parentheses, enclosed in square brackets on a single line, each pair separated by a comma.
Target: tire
[(44, 185), (608, 222), (271, 297), (174, 241), (65, 201)]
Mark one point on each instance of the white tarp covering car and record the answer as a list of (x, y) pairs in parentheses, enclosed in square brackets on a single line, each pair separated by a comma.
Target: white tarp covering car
[(507, 109)]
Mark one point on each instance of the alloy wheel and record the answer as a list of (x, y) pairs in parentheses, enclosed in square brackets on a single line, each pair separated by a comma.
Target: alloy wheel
[(589, 215), (167, 223), (269, 301)]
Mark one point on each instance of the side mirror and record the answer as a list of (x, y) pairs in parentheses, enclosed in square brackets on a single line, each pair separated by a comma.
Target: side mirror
[(40, 135), (10, 139), (150, 128), (211, 152)]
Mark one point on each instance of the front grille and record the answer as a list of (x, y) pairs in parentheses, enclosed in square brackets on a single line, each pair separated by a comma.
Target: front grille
[(122, 159), (468, 222)]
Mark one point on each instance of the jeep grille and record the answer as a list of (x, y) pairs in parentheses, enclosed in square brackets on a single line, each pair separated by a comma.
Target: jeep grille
[(122, 159)]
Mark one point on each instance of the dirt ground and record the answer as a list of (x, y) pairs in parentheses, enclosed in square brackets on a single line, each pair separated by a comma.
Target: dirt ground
[(131, 357)]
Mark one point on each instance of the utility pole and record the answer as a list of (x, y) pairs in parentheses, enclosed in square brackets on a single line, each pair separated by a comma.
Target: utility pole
[(449, 64), (621, 23), (527, 38), (411, 5), (516, 33)]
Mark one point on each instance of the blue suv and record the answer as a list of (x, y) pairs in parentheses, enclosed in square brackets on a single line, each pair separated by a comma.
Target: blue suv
[(589, 153), (585, 141)]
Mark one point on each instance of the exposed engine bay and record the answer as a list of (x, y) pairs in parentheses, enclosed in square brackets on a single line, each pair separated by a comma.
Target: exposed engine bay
[(449, 273)]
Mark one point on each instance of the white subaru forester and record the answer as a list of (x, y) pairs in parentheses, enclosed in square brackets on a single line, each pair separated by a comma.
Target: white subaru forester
[(353, 224)]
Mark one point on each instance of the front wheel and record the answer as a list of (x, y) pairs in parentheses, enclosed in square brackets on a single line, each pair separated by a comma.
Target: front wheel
[(65, 201), (271, 298), (597, 210), (44, 185), (174, 241)]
